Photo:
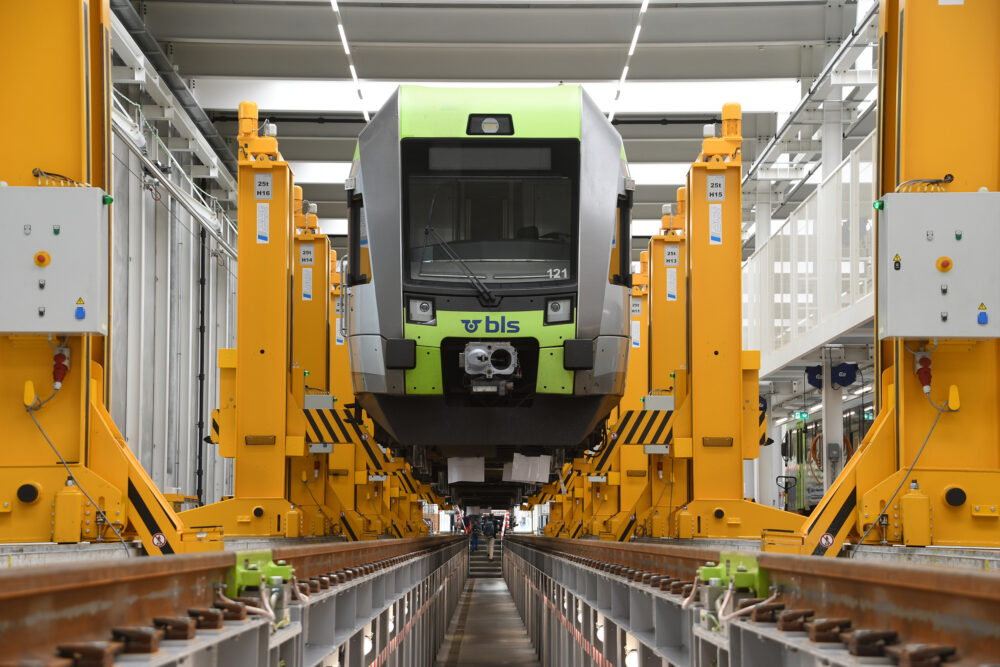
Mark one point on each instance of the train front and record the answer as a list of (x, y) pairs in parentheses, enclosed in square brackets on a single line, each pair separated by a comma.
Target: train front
[(488, 267)]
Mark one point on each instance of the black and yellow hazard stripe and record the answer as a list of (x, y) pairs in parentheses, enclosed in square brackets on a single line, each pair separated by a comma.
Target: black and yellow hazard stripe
[(407, 482), (604, 456), (629, 527), (762, 427), (215, 427), (323, 426), (351, 421), (149, 525), (834, 518), (347, 527), (644, 427)]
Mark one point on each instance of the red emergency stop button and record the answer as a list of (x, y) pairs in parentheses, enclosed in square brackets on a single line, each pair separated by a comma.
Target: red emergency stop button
[(944, 264), (42, 258)]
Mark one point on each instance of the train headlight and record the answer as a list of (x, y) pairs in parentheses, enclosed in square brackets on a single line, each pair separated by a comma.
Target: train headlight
[(420, 311), (558, 311)]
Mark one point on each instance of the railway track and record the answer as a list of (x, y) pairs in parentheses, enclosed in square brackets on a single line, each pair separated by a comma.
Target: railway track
[(921, 610), (915, 612), (101, 605)]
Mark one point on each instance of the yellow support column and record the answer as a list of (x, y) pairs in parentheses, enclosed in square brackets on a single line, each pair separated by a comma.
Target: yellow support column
[(637, 373), (263, 393), (310, 296), (952, 456), (716, 358), (268, 419), (66, 143), (668, 359)]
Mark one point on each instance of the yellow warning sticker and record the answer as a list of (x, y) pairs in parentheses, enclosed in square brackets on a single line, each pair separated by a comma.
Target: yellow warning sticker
[(896, 258), (79, 301), (982, 306)]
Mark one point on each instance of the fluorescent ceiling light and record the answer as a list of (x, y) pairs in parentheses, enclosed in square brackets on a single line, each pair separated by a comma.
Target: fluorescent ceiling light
[(350, 58), (635, 38), (320, 172), (642, 10), (659, 173), (646, 227), (343, 39), (335, 226)]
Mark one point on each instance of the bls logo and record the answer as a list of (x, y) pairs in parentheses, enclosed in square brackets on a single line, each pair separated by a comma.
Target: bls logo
[(502, 325)]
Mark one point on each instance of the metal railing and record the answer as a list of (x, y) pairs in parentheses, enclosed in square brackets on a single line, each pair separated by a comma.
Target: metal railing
[(816, 272)]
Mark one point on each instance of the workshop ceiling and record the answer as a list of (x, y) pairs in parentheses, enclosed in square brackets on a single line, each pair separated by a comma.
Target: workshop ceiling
[(285, 53)]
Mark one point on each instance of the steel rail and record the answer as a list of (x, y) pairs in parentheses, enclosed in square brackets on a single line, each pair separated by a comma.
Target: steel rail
[(922, 604), (47, 605)]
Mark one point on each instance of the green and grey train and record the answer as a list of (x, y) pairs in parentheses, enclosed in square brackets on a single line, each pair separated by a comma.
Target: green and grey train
[(488, 267)]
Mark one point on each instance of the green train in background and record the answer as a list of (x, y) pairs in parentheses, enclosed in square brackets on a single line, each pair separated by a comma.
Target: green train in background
[(488, 268)]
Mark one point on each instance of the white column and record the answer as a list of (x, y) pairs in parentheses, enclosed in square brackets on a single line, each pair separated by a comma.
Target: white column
[(768, 465), (828, 240), (833, 422), (827, 264), (762, 213)]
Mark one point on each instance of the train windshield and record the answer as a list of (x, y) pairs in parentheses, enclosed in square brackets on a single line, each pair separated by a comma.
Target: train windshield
[(504, 211)]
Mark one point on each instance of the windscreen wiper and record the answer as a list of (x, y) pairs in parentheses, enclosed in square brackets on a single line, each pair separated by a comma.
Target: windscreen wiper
[(486, 297)]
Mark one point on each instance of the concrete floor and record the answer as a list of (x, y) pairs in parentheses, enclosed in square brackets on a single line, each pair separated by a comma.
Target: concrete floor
[(486, 630)]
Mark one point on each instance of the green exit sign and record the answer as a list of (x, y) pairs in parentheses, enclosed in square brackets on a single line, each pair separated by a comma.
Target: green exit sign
[(869, 415), (801, 414)]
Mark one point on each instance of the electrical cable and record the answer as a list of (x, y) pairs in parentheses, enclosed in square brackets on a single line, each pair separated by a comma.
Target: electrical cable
[(30, 410), (52, 178), (319, 507), (861, 412), (933, 182), (670, 501), (689, 600), (749, 608), (721, 604), (299, 595), (940, 411)]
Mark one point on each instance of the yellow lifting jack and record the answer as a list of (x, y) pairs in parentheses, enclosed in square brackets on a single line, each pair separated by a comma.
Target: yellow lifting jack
[(67, 473), (672, 462), (928, 471), (306, 463)]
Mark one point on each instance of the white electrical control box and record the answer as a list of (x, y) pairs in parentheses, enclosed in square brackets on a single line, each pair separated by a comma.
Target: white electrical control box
[(939, 265), (53, 260)]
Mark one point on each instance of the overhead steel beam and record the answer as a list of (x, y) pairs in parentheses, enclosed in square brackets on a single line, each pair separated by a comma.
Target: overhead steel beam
[(150, 48)]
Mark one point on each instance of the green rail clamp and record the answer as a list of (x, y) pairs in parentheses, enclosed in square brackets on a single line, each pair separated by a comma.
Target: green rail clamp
[(250, 565), (740, 568)]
